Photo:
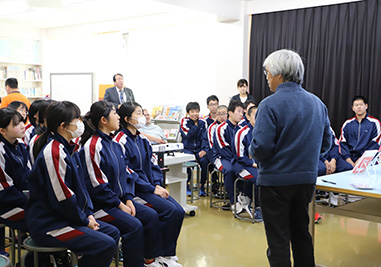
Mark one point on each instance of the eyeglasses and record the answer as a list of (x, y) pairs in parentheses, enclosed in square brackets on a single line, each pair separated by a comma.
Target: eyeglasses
[(265, 72), (222, 114), (213, 105)]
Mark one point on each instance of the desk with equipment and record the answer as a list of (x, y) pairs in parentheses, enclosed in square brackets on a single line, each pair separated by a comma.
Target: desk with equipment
[(176, 177), (366, 184)]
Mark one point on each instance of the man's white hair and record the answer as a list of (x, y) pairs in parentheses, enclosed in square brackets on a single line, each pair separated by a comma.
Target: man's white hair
[(286, 63)]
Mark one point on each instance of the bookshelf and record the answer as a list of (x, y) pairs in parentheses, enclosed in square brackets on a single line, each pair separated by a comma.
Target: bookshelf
[(29, 77), (168, 118)]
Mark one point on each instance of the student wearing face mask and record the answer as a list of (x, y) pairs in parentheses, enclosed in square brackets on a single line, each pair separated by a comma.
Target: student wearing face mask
[(59, 212), (111, 184), (138, 152)]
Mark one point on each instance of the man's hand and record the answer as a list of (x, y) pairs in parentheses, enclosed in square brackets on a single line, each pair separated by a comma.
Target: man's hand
[(201, 153), (350, 161), (130, 204), (125, 208), (160, 191), (331, 166), (93, 224)]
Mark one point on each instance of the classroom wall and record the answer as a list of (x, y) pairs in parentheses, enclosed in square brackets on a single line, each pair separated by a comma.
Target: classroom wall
[(170, 64)]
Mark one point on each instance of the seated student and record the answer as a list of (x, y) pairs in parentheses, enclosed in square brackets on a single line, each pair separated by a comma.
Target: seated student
[(223, 147), (222, 115), (30, 127), (138, 152), (245, 120), (153, 132), (59, 211), (14, 167), (111, 185), (246, 168), (21, 107), (36, 119), (360, 133), (333, 161), (243, 96), (212, 104), (193, 134)]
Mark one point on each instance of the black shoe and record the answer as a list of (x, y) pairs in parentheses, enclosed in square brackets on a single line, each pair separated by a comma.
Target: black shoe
[(226, 206)]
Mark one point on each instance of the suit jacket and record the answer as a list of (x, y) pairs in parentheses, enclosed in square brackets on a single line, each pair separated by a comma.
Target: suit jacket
[(112, 96)]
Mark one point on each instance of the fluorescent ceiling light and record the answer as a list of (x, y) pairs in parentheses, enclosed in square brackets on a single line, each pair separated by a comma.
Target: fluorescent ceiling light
[(12, 7)]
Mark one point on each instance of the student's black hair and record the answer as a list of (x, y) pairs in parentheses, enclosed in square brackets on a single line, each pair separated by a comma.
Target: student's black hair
[(12, 83), (212, 98), (248, 102), (251, 109), (8, 115), (16, 104), (33, 109), (114, 77), (222, 106), (126, 110), (91, 120), (242, 82), (39, 129), (58, 112), (234, 104), (359, 97), (192, 105)]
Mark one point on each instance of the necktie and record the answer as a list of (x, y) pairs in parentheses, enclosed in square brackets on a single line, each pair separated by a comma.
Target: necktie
[(121, 96)]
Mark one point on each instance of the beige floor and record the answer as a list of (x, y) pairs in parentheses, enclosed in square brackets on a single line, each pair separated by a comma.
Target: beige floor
[(213, 238)]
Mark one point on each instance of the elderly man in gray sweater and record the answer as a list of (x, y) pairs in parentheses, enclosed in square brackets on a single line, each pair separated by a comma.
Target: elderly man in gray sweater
[(292, 128)]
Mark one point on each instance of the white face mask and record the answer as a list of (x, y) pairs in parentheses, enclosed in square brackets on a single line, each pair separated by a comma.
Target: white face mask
[(141, 122), (79, 131)]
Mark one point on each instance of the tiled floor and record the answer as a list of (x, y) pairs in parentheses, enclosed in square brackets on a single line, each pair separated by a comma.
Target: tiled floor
[(213, 238)]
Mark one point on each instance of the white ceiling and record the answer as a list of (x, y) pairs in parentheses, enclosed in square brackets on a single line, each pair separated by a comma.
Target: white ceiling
[(53, 13)]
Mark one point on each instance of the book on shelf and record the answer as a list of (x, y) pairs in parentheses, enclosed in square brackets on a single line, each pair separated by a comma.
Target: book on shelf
[(3, 72), (171, 134), (172, 113), (21, 73)]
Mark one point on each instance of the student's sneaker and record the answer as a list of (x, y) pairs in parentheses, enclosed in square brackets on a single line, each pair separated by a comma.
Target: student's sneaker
[(175, 258), (168, 262), (317, 217), (202, 193), (258, 215), (155, 263), (226, 206), (243, 200), (238, 208)]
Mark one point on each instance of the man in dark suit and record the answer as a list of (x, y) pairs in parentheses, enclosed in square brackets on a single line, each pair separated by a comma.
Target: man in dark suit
[(118, 94)]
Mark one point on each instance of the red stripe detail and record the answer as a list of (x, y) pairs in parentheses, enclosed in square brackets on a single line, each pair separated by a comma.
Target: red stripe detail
[(239, 140), (107, 218), (247, 177), (17, 216), (219, 134), (182, 127), (28, 126), (56, 163), (118, 136), (221, 167), (69, 235), (97, 171), (148, 205), (210, 133), (3, 180)]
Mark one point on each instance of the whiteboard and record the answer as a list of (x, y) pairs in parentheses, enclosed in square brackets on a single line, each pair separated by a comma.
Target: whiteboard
[(75, 87)]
